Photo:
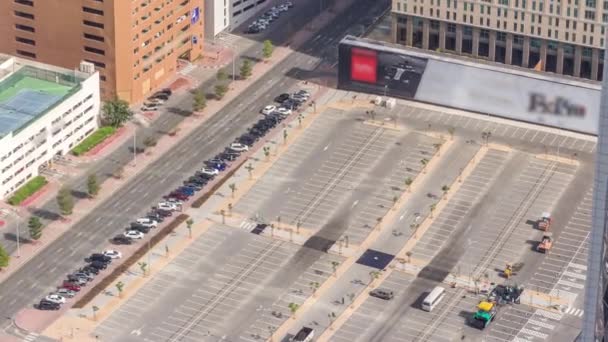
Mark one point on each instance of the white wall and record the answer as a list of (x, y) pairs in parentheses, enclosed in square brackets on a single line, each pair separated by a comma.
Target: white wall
[(217, 16), (78, 118)]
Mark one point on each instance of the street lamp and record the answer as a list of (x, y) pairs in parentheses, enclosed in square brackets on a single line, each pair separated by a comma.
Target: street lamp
[(233, 57)]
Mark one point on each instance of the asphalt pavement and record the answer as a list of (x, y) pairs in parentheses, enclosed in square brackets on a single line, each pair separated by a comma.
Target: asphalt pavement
[(41, 274)]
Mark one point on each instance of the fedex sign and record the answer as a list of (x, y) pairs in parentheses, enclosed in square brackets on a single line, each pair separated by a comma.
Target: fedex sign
[(559, 106)]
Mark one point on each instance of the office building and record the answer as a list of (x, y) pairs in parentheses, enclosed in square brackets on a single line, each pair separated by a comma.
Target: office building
[(44, 111), (560, 36), (227, 15), (134, 44), (595, 319)]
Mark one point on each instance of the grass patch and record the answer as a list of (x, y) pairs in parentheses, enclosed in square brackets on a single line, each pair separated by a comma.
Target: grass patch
[(93, 140), (27, 190), (122, 268)]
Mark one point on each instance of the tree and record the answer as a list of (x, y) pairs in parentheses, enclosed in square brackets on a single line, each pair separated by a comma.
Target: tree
[(222, 75), (373, 275), (284, 136), (65, 201), (223, 213), (445, 190), (298, 225), (332, 318), (220, 91), (424, 162), (408, 254), (432, 208), (200, 101), (150, 141), (293, 307), (451, 131), (116, 112), (395, 200), (334, 267), (95, 309), (250, 169), (5, 258), (246, 69), (232, 187), (35, 228), (378, 221), (486, 136), (92, 185), (408, 183), (229, 209), (300, 117), (266, 150), (119, 287), (437, 147), (268, 49), (314, 286), (189, 224), (351, 298), (143, 266)]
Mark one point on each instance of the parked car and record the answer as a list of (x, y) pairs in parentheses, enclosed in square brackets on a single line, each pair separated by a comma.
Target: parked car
[(196, 187), (281, 98), (77, 280), (148, 109), (70, 286), (239, 147), (164, 213), (268, 109), (289, 4), (153, 215), (65, 293), (187, 191), (177, 197), (284, 111), (382, 294), (99, 265), (55, 298), (196, 180), (229, 156), (46, 305), (122, 240), (84, 275), (166, 206), (134, 234), (138, 227), (89, 269), (209, 171), (98, 257), (146, 221)]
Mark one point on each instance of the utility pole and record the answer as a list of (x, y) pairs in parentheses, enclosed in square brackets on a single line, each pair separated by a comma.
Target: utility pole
[(135, 147)]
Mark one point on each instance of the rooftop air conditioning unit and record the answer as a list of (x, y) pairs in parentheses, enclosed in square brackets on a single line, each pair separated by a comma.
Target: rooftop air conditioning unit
[(87, 67)]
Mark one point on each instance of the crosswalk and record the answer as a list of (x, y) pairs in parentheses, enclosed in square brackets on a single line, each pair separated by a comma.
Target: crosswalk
[(248, 225), (187, 69), (31, 337), (574, 311)]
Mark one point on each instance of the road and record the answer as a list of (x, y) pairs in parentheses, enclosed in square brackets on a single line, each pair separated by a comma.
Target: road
[(45, 270)]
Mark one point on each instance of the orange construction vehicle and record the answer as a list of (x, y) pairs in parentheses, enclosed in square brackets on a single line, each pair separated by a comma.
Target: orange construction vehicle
[(546, 243), (545, 222)]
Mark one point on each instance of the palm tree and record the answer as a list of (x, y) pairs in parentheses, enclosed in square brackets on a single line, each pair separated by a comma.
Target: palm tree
[(334, 267), (293, 307), (373, 275), (437, 147), (445, 190), (432, 208), (424, 162), (314, 286), (408, 183)]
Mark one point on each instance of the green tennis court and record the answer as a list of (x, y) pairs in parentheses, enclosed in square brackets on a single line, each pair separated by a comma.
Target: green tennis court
[(32, 83)]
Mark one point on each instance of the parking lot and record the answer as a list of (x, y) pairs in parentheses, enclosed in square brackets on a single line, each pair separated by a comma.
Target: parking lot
[(210, 285)]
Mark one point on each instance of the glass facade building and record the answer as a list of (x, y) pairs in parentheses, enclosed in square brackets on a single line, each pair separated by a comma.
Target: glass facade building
[(595, 319)]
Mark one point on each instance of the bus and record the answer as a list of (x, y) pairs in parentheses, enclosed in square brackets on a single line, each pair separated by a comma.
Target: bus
[(429, 303)]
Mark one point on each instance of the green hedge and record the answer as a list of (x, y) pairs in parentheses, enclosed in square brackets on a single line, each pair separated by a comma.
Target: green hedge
[(93, 140), (27, 190)]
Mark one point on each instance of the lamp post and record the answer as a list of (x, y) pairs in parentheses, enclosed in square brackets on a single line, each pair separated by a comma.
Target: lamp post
[(233, 57)]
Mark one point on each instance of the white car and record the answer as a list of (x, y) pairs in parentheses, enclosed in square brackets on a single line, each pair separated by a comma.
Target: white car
[(283, 8), (149, 109), (175, 202), (284, 111), (55, 298), (239, 147), (268, 109), (134, 234), (147, 222), (209, 171), (166, 206), (112, 254), (65, 293)]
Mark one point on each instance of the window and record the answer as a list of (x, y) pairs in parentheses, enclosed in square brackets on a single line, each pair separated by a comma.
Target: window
[(97, 64), (24, 28), (26, 41), (25, 2), (24, 15), (92, 10), (92, 24), (94, 37), (590, 3), (26, 54), (94, 50), (590, 15)]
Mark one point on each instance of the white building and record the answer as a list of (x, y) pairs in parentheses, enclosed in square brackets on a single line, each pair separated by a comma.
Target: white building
[(227, 15), (44, 111)]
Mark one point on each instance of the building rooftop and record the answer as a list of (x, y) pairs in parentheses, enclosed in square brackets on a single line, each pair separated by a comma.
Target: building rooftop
[(28, 92)]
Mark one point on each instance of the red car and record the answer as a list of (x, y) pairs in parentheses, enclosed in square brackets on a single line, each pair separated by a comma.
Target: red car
[(70, 286), (178, 196)]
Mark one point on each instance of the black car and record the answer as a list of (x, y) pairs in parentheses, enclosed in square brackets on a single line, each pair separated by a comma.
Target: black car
[(257, 132), (139, 227), (253, 29), (99, 265), (99, 257), (164, 213), (194, 186), (227, 156), (122, 240), (48, 305), (155, 216), (282, 98), (196, 180), (89, 269), (292, 104)]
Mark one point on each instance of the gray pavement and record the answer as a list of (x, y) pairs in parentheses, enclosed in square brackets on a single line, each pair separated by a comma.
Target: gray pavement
[(65, 254)]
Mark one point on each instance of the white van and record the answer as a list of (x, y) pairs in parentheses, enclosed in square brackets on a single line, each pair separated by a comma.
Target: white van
[(429, 303)]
